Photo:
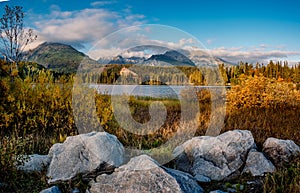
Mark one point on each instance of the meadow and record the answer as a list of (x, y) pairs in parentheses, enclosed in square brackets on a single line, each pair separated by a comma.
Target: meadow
[(36, 112)]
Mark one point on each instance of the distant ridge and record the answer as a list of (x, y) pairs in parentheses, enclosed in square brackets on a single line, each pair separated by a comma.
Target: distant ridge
[(161, 56), (64, 58)]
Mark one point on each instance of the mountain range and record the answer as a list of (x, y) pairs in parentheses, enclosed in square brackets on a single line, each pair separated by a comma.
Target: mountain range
[(171, 57), (64, 58), (161, 56)]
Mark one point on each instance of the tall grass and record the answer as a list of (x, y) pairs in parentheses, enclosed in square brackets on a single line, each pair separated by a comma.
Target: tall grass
[(284, 179), (36, 112), (266, 107)]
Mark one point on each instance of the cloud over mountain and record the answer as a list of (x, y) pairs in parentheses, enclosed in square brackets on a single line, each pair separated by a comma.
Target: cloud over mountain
[(258, 54), (81, 27)]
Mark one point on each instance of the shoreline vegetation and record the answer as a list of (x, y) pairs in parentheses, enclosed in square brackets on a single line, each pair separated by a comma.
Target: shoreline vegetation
[(264, 99)]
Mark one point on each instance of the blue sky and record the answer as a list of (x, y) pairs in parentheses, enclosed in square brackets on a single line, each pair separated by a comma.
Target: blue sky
[(233, 29)]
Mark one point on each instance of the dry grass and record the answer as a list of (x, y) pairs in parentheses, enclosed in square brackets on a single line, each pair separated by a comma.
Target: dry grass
[(42, 115)]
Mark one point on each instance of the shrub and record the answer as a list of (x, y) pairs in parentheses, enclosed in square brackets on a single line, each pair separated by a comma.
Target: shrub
[(261, 92), (264, 106)]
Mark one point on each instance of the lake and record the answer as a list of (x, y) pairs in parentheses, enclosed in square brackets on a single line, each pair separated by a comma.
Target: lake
[(157, 91)]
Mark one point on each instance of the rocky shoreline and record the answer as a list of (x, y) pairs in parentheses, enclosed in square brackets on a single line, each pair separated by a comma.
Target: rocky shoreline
[(99, 157)]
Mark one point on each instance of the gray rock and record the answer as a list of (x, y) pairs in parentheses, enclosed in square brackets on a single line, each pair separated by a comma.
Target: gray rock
[(143, 174), (201, 178), (214, 157), (86, 154), (75, 190), (280, 151), (257, 164), (53, 189), (231, 190), (186, 181), (56, 149), (217, 191), (34, 163)]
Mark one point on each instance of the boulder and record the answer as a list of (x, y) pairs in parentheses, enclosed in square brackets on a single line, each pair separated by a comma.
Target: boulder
[(201, 178), (280, 151), (34, 163), (87, 154), (257, 164), (53, 189), (214, 157), (217, 191), (186, 181), (75, 190), (143, 174)]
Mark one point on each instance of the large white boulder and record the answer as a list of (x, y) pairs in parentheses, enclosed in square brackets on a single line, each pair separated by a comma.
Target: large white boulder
[(86, 154), (214, 157), (143, 174)]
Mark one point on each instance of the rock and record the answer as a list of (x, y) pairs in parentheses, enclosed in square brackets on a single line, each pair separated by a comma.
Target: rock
[(56, 149), (86, 154), (217, 191), (280, 151), (214, 157), (75, 190), (201, 178), (257, 164), (143, 174), (186, 182), (53, 189), (231, 190), (34, 163), (255, 185)]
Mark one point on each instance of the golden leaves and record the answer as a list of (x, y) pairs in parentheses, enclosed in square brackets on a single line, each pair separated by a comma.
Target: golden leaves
[(261, 92)]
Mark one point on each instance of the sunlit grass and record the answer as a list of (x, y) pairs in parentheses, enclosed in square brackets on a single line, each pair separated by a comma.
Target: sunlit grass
[(36, 113)]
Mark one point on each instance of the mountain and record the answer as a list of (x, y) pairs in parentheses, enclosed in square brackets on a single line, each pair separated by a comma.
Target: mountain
[(160, 56), (58, 57), (172, 57), (66, 59), (204, 58)]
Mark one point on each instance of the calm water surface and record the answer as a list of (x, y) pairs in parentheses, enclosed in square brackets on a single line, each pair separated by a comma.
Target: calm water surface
[(157, 91)]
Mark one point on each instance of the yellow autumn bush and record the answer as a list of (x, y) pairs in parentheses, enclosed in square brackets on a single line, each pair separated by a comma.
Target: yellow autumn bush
[(262, 92), (267, 107)]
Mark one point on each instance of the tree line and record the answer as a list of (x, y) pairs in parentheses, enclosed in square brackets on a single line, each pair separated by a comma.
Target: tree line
[(181, 75), (280, 71)]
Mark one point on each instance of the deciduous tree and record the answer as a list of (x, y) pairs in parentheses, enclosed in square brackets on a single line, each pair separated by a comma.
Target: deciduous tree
[(14, 36)]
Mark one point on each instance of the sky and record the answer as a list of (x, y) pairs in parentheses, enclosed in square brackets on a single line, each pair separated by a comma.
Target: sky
[(235, 30)]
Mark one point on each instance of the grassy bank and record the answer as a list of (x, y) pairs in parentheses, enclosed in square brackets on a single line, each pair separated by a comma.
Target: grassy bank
[(36, 112)]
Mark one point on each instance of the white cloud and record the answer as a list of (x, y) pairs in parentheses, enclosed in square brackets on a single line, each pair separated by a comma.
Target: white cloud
[(102, 3), (140, 54), (88, 26), (253, 55), (119, 43), (210, 41), (263, 46), (82, 27)]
